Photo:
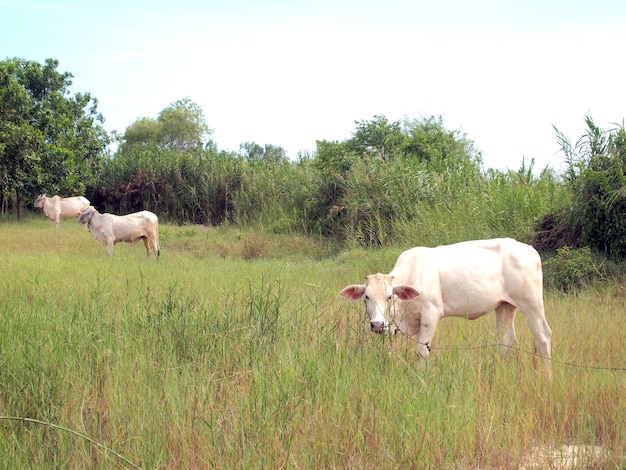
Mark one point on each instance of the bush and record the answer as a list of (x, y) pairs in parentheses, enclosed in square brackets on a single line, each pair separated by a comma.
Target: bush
[(283, 225), (569, 269), (597, 177)]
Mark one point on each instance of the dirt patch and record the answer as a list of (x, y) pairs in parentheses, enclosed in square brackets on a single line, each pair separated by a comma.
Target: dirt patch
[(564, 457)]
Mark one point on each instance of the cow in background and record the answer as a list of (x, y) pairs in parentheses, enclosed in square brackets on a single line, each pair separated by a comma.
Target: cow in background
[(56, 207), (467, 279), (110, 229)]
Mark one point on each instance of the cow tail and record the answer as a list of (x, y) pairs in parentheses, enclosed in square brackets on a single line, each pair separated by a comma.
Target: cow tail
[(157, 248)]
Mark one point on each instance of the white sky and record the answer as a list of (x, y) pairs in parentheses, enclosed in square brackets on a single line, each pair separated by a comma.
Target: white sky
[(289, 72)]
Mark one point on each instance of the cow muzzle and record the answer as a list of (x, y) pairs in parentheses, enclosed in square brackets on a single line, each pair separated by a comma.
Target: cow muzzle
[(381, 328), (378, 327)]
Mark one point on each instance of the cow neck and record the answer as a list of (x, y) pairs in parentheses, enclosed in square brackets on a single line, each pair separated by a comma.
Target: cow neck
[(89, 221)]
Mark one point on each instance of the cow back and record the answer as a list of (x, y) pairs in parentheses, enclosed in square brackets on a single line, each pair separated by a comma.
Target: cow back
[(471, 277)]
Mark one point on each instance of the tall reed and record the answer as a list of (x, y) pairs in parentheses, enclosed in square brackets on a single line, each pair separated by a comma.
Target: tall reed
[(362, 201)]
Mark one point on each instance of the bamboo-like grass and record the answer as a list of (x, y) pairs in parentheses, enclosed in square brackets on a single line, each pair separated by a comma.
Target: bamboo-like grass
[(235, 351)]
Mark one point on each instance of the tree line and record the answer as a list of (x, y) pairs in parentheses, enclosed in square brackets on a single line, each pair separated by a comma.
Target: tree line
[(402, 182)]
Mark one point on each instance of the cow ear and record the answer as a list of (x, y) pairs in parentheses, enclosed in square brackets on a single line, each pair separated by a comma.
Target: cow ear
[(406, 292), (353, 292)]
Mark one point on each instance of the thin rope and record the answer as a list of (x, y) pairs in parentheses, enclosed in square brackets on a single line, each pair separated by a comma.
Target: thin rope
[(71, 431), (515, 348), (495, 345)]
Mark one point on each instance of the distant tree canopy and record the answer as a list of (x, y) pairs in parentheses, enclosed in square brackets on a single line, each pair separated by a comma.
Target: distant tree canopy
[(270, 154), (426, 140), (378, 138), (179, 127), (50, 141)]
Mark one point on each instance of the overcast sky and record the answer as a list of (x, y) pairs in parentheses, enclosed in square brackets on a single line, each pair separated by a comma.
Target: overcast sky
[(289, 72)]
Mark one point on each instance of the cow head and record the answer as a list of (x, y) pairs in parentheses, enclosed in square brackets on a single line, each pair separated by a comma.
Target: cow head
[(381, 297), (85, 216), (40, 201)]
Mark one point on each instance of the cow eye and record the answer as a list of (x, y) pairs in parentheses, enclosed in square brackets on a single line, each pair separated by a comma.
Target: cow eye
[(367, 297)]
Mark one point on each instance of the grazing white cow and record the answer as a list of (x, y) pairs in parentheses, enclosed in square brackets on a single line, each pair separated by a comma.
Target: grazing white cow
[(56, 207), (467, 279), (110, 229)]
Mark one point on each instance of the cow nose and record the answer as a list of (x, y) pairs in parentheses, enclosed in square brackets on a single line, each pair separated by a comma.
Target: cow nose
[(377, 326)]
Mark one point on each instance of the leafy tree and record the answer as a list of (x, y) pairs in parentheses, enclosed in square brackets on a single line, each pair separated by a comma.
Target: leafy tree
[(50, 141), (270, 154), (425, 140), (179, 127), (428, 141), (143, 133), (251, 151), (377, 138), (183, 126), (274, 154), (19, 140)]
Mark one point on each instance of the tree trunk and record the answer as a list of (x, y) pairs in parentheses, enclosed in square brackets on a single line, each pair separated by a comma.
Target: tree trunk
[(18, 204)]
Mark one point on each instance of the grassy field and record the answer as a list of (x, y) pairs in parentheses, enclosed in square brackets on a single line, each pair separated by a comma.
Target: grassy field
[(235, 351)]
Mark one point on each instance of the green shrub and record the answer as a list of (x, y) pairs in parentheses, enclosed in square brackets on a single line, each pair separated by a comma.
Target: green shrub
[(596, 178), (283, 225), (569, 269)]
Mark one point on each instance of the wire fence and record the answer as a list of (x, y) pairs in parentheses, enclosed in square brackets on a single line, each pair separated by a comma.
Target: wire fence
[(517, 349)]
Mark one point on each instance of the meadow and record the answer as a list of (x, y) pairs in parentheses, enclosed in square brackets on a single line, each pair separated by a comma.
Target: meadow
[(234, 350)]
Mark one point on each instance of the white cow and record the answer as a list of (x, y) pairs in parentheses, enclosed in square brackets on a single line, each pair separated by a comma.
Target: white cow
[(467, 279), (56, 207), (110, 229)]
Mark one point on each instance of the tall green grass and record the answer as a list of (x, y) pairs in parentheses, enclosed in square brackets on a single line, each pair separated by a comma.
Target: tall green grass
[(408, 203), (357, 200), (210, 358)]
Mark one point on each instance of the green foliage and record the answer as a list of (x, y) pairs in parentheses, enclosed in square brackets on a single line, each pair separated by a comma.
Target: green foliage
[(431, 190), (270, 154), (144, 133), (332, 164), (425, 140), (569, 269), (51, 141), (180, 127), (380, 195), (19, 139), (377, 138), (385, 176), (428, 140), (597, 179), (345, 191), (514, 201), (187, 187), (183, 126)]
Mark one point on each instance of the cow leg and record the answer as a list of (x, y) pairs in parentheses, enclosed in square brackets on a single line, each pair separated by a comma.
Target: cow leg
[(543, 337), (148, 246), (110, 246), (505, 326), (155, 246)]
